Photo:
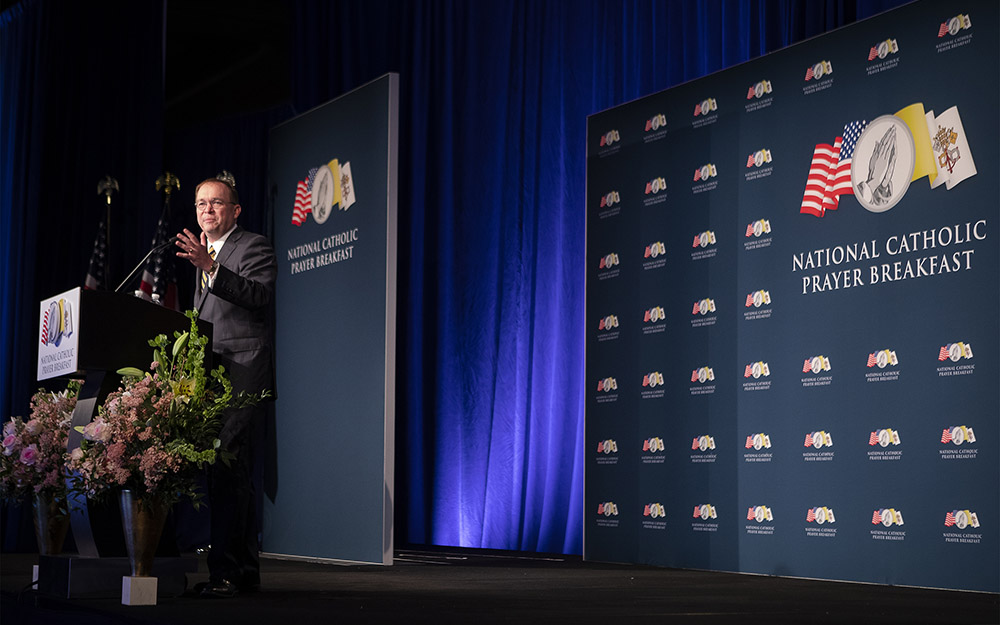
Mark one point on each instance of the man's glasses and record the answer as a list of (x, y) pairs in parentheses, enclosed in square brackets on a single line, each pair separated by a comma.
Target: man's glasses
[(216, 204)]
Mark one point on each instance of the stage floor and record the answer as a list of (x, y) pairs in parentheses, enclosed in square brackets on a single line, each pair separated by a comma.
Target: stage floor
[(487, 587)]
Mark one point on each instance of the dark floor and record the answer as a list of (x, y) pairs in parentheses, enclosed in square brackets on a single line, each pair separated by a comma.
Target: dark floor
[(483, 587)]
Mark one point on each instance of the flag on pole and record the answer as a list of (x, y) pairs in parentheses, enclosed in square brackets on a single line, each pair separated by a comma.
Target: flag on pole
[(159, 276), (95, 271)]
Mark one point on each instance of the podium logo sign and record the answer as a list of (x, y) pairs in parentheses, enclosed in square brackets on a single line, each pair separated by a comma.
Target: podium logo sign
[(58, 318)]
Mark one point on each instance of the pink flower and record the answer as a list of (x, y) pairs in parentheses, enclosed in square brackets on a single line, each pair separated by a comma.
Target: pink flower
[(29, 454), (8, 444), (33, 427), (76, 455), (97, 430), (9, 427)]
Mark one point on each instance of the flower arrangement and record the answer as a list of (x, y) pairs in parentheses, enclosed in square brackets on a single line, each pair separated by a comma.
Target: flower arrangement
[(161, 427), (34, 451)]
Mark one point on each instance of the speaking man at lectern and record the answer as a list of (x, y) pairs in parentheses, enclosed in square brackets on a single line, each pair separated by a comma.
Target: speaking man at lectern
[(234, 289)]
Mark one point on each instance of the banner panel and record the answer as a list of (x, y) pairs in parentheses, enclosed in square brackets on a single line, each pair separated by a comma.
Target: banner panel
[(333, 173)]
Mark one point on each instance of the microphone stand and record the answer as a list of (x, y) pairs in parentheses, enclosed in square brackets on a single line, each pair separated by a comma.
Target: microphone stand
[(161, 246)]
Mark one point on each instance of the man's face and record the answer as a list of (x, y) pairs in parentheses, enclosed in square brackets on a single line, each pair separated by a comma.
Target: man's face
[(216, 211)]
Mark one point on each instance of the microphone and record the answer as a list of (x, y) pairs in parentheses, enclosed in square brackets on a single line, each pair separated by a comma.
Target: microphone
[(142, 262)]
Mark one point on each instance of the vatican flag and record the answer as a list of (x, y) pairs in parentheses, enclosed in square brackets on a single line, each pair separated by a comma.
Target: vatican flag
[(916, 120)]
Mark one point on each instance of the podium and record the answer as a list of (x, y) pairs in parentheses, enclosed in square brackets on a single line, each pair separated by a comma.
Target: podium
[(92, 334)]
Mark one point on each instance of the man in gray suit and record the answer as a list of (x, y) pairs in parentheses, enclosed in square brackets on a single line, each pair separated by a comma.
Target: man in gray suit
[(234, 289)]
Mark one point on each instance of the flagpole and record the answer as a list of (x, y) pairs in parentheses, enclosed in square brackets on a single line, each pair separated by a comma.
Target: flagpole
[(107, 186)]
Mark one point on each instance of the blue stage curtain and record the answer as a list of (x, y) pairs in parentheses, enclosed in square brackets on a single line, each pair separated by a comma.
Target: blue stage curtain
[(494, 97)]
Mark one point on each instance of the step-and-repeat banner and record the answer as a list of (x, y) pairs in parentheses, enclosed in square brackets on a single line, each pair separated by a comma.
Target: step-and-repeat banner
[(792, 307)]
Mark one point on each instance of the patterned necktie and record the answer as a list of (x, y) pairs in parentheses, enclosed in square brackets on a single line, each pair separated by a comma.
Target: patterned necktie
[(204, 275)]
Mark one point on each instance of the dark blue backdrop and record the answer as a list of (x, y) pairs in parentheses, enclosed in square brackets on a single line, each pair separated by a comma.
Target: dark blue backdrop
[(494, 98)]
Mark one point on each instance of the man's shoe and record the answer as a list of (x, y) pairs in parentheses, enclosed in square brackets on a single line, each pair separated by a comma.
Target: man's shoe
[(222, 589)]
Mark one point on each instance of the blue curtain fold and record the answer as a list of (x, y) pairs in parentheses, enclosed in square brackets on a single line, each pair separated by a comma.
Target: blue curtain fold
[(494, 100)]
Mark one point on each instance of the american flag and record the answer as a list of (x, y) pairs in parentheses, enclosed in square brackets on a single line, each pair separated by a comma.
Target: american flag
[(811, 515), (694, 444), (749, 229), (949, 519), (809, 440), (697, 109), (809, 72), (158, 276), (303, 203), (600, 447), (697, 174), (95, 271), (750, 92), (872, 53), (694, 375), (697, 511), (750, 514), (600, 508), (646, 511), (876, 517), (873, 439), (696, 309), (942, 355), (748, 371), (943, 30), (807, 366), (750, 160), (697, 241), (749, 300), (946, 436), (830, 172), (871, 359), (749, 442)]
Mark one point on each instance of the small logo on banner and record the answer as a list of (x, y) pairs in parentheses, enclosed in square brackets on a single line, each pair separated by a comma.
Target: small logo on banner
[(759, 89), (818, 70), (704, 239), (759, 227), (654, 510), (759, 514), (884, 437), (951, 26), (819, 439), (57, 322), (705, 172), (820, 515), (652, 379), (758, 299), (610, 199), (816, 364), (608, 508), (609, 138), (958, 434), (653, 444), (607, 323), (656, 185), (705, 512), (607, 385), (955, 351), (654, 314), (703, 443), (656, 122), (758, 441), (758, 158), (887, 517), (882, 358), (705, 107), (703, 306), (654, 249), (961, 519), (883, 49), (702, 375), (323, 188), (608, 446), (756, 370)]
